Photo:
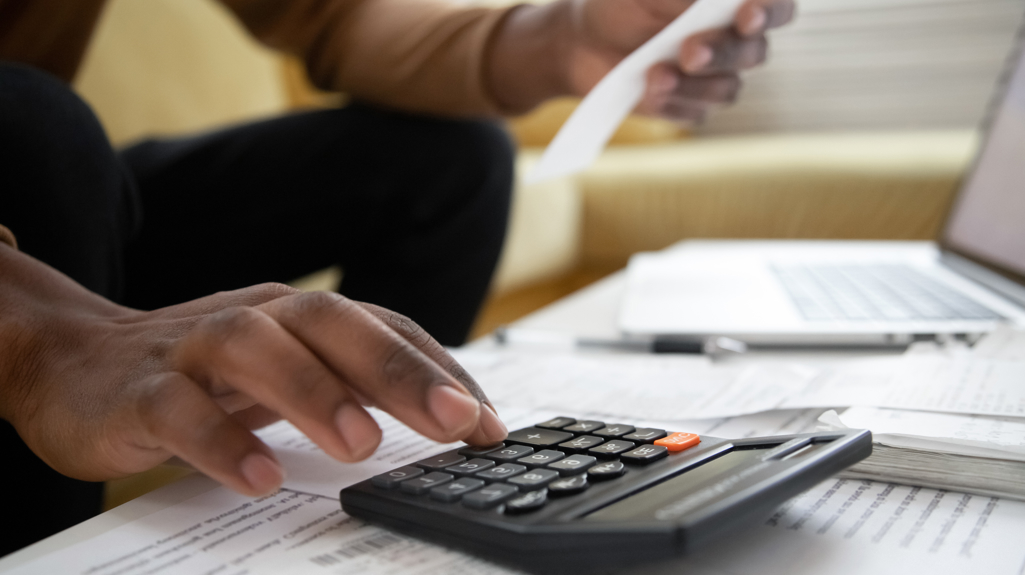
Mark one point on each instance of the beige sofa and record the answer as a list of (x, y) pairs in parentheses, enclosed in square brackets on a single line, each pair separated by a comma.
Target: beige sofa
[(177, 66)]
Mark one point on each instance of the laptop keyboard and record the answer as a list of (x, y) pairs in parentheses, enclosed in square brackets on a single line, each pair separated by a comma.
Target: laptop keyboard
[(890, 292)]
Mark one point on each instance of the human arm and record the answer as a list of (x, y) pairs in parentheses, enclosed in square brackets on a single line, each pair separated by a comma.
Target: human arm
[(101, 391), (437, 57)]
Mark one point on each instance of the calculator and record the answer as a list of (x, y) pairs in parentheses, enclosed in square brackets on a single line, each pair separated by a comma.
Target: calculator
[(564, 495)]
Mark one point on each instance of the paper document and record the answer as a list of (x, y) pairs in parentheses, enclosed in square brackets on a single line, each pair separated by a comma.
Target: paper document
[(585, 134)]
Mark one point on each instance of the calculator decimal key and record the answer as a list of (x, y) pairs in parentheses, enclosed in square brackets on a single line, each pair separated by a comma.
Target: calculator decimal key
[(470, 467), (611, 448), (582, 443), (557, 423), (573, 464), (422, 484), (584, 426), (392, 479), (541, 458), (614, 430), (501, 472), (534, 479), (527, 502), (490, 496), (451, 492), (538, 437), (645, 454), (510, 453), (568, 485), (440, 461), (607, 470), (472, 451), (645, 435)]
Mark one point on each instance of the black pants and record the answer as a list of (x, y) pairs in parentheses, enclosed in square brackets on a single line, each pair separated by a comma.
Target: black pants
[(413, 209)]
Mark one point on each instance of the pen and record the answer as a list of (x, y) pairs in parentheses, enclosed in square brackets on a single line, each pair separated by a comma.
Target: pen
[(714, 345)]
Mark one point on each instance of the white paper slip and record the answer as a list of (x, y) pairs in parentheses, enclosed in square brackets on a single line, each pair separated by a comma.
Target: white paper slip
[(583, 137)]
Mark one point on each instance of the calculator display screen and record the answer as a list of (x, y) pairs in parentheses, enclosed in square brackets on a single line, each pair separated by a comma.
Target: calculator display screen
[(659, 502)]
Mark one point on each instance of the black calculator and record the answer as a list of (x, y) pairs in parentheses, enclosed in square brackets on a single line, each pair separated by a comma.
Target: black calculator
[(565, 495)]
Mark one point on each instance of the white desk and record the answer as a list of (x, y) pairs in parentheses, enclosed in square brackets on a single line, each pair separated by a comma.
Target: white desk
[(589, 312)]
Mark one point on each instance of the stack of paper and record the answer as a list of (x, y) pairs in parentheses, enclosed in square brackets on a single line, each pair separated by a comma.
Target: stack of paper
[(970, 453)]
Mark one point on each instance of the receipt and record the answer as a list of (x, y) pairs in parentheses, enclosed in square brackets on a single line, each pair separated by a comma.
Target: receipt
[(583, 137)]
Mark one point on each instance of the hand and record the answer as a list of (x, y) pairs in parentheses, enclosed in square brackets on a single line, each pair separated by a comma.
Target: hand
[(101, 391), (704, 74), (566, 47)]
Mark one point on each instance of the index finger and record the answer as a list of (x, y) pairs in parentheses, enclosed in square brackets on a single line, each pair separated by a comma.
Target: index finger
[(757, 16), (379, 364)]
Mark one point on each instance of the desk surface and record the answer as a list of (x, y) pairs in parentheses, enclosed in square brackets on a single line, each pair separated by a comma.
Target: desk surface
[(588, 312)]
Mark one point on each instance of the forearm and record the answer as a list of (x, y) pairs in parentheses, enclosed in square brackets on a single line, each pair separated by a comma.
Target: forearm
[(529, 55)]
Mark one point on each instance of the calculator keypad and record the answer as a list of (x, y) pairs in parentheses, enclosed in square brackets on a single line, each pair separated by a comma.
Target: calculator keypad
[(557, 458)]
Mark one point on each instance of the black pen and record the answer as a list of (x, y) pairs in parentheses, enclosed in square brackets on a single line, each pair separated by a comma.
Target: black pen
[(714, 345)]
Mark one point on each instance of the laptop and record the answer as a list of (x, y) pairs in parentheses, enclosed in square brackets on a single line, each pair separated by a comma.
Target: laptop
[(795, 292)]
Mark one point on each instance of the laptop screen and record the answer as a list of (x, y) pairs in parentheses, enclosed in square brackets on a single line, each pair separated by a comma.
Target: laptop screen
[(988, 221)]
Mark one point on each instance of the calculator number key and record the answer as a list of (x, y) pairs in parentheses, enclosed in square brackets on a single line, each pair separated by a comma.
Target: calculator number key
[(501, 472), (424, 483), (473, 451), (392, 479), (573, 465), (568, 485), (490, 496), (510, 453), (470, 467), (535, 479), (645, 435), (527, 502), (452, 492), (439, 462), (582, 443), (614, 430), (611, 448), (607, 470), (645, 454), (541, 458), (537, 437)]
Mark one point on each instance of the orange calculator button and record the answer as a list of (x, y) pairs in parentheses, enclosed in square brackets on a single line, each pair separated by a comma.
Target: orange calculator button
[(679, 441)]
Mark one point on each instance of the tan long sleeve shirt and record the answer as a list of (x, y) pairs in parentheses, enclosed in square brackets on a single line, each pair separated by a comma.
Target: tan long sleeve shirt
[(417, 55)]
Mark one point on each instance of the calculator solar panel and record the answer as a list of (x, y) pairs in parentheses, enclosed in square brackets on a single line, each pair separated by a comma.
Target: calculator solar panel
[(568, 494)]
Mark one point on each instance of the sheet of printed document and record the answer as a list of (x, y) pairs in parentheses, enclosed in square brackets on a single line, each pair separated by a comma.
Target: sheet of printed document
[(584, 135), (840, 527)]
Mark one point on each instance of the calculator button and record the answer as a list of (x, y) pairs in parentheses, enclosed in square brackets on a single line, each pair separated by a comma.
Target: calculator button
[(422, 484), (527, 502), (584, 426), (582, 443), (679, 441), (538, 437), (489, 496), (611, 448), (440, 461), (645, 454), (573, 464), (568, 485), (534, 479), (474, 451), (541, 458), (470, 467), (557, 423), (392, 479), (501, 472), (607, 470), (614, 430), (645, 435), (510, 453), (452, 492)]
